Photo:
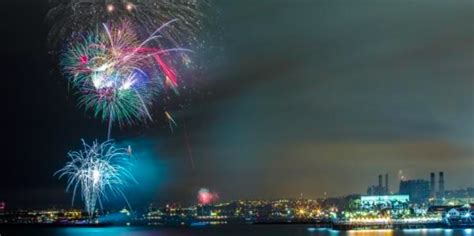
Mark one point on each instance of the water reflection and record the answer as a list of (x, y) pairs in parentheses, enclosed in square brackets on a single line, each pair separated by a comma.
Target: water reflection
[(389, 232), (247, 230), (382, 232), (118, 231)]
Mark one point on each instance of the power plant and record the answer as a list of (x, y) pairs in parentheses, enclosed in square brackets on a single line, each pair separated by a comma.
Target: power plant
[(379, 189), (419, 189)]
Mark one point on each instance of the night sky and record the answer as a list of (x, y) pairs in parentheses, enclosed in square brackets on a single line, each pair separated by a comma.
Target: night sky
[(297, 96)]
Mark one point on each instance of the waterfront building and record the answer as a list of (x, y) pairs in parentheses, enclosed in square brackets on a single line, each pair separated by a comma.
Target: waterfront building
[(381, 202)]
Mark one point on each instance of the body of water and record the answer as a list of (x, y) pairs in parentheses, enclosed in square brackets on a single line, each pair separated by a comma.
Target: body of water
[(234, 230)]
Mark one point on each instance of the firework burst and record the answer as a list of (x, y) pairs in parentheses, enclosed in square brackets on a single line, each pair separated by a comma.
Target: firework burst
[(117, 75), (97, 170), (206, 197)]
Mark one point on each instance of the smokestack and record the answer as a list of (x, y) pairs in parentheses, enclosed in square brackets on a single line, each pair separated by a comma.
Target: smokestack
[(432, 185), (441, 184), (380, 181), (386, 184)]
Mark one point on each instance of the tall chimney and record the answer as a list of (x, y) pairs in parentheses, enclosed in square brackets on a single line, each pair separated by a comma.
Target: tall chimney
[(386, 184), (441, 184), (432, 185), (380, 181)]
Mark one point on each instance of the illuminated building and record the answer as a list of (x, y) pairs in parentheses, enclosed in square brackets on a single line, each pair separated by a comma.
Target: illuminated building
[(460, 216), (384, 201)]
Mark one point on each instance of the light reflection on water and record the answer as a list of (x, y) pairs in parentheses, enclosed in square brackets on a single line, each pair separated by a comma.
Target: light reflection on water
[(245, 230), (381, 232), (94, 231)]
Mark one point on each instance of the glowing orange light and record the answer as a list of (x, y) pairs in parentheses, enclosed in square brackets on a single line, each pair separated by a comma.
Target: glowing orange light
[(129, 6), (110, 8)]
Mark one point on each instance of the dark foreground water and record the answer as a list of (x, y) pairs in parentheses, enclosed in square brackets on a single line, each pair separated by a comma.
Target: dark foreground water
[(244, 230)]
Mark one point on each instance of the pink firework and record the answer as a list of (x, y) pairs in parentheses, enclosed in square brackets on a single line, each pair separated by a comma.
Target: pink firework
[(206, 197)]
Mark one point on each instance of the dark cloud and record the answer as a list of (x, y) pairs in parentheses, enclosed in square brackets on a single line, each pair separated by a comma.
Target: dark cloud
[(316, 92)]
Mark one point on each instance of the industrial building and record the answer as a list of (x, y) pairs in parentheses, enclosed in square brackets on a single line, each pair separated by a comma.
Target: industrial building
[(417, 189), (379, 189)]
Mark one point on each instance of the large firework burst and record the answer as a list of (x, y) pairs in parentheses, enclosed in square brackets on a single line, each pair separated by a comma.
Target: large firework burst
[(97, 170), (116, 74)]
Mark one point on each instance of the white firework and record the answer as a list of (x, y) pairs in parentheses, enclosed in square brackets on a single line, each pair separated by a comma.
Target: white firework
[(98, 170)]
